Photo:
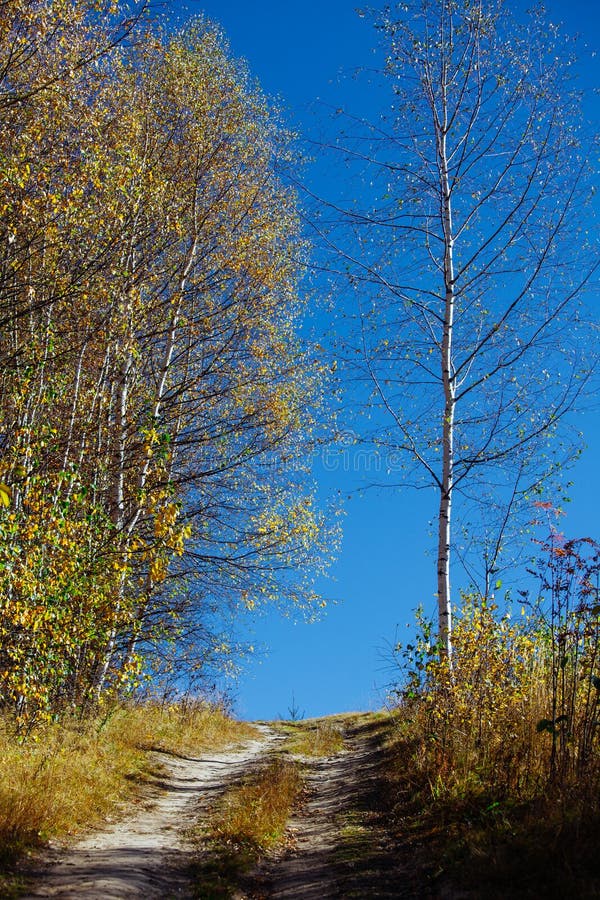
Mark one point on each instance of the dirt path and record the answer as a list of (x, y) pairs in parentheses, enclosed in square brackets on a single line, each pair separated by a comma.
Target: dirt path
[(146, 855), (340, 846)]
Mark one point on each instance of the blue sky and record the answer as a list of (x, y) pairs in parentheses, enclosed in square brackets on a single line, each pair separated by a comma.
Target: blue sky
[(301, 53)]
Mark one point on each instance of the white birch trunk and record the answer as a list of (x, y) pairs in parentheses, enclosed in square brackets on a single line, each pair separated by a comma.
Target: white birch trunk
[(448, 383)]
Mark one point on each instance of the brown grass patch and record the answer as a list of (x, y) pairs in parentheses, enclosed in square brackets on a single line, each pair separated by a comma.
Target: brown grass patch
[(250, 819), (255, 813), (177, 728)]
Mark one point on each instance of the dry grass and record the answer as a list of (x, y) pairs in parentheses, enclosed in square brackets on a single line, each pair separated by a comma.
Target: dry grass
[(67, 776), (254, 814), (494, 770), (462, 837), (319, 738), (177, 728), (250, 819)]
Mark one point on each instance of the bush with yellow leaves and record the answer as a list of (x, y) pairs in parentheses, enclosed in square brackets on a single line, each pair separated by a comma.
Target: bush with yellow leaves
[(516, 710)]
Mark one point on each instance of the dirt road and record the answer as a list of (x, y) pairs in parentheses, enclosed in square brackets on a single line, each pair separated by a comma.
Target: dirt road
[(338, 845)]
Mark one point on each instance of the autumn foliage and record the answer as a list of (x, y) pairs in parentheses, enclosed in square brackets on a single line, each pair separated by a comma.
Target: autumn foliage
[(501, 753), (155, 401), (518, 709)]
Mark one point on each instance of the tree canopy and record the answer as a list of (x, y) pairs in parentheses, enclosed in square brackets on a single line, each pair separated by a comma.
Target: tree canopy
[(156, 401)]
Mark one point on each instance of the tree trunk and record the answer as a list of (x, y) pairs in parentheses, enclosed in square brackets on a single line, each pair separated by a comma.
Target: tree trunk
[(448, 382)]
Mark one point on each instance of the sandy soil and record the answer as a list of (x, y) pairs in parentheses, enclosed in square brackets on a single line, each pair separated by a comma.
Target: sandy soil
[(145, 854)]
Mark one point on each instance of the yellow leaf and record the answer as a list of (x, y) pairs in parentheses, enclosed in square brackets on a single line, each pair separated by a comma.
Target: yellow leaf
[(5, 495)]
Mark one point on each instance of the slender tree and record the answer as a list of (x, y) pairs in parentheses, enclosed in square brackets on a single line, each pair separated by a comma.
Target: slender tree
[(470, 264)]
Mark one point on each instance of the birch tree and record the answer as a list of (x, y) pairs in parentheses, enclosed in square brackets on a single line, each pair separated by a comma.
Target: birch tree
[(471, 262)]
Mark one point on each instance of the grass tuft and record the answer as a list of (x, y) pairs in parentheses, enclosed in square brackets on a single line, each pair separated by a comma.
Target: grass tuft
[(250, 819), (316, 739), (255, 813)]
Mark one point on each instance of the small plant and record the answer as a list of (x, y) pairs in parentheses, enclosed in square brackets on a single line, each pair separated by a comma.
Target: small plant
[(294, 711), (569, 634)]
